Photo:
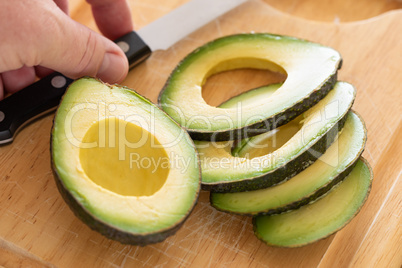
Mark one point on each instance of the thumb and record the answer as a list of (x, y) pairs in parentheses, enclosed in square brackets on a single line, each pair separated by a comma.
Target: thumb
[(75, 50)]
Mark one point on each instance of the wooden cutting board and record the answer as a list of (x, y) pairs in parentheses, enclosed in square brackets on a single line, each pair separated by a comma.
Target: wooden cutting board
[(37, 229)]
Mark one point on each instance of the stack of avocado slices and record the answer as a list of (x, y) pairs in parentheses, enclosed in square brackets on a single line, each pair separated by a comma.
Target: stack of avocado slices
[(287, 154), (303, 178)]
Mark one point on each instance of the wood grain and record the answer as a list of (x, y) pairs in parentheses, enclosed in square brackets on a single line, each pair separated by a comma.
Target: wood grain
[(12, 256), (36, 222)]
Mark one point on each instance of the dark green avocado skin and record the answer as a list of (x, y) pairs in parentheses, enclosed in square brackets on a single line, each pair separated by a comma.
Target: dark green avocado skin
[(283, 173), (110, 231), (271, 123)]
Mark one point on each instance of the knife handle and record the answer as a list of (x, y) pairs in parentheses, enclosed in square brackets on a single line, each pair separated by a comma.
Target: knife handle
[(29, 103), (44, 95)]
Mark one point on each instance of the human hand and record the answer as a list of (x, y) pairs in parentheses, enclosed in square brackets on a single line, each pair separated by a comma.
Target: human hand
[(38, 36)]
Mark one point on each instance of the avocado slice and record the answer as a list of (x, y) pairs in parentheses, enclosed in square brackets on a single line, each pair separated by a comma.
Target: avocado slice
[(320, 219), (124, 167), (310, 184), (311, 71), (311, 134)]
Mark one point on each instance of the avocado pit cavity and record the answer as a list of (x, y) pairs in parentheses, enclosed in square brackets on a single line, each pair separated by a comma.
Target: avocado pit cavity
[(124, 158)]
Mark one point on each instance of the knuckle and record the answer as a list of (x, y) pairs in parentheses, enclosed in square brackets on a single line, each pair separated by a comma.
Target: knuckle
[(88, 63)]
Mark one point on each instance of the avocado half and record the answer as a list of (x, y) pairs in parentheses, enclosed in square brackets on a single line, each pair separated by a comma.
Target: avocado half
[(124, 167), (304, 140), (311, 73), (307, 186)]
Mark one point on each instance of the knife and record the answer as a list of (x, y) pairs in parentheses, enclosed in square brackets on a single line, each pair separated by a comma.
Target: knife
[(44, 95)]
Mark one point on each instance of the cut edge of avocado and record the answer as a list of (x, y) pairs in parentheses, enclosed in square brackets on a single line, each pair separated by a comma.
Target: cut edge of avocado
[(224, 201), (267, 228), (181, 98), (119, 229), (278, 174)]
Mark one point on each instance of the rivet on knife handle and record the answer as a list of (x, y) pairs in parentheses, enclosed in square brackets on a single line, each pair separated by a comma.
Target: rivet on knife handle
[(134, 47)]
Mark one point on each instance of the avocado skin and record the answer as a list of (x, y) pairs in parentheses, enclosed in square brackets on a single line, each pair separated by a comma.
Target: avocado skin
[(110, 231), (271, 123), (283, 173)]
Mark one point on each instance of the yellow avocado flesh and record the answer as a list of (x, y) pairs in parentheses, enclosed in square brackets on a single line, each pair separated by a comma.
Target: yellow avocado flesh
[(272, 140), (124, 158)]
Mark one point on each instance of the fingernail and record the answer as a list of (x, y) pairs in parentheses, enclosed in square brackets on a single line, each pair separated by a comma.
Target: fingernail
[(113, 69)]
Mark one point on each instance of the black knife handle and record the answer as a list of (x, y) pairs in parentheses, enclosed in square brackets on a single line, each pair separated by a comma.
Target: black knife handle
[(44, 95), (30, 103)]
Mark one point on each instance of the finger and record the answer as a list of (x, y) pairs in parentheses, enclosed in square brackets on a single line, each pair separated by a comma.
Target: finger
[(84, 52), (75, 50), (113, 17), (18, 79), (42, 71)]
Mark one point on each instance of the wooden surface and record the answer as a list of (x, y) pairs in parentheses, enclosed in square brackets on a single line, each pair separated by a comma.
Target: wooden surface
[(37, 229)]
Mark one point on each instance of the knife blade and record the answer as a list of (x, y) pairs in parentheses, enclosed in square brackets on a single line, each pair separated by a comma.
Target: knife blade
[(43, 96)]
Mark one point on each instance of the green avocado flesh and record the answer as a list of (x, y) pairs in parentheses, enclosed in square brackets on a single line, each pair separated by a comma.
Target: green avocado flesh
[(308, 185), (251, 96), (311, 73), (299, 144), (321, 218), (124, 167)]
